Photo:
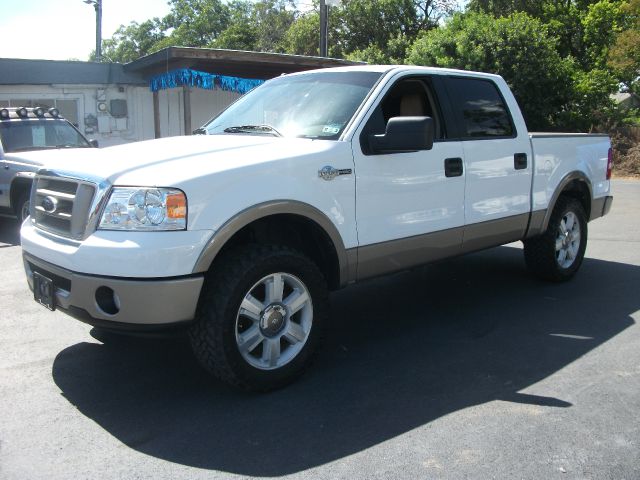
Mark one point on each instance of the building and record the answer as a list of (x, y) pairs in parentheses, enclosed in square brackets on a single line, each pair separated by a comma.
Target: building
[(170, 92), (626, 100)]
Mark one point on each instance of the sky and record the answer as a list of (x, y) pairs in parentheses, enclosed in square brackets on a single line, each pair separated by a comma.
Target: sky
[(66, 29)]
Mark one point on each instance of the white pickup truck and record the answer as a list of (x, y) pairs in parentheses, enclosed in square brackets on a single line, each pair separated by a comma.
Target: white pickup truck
[(310, 182)]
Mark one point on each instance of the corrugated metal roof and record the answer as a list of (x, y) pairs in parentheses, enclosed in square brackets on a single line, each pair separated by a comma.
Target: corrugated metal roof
[(238, 63)]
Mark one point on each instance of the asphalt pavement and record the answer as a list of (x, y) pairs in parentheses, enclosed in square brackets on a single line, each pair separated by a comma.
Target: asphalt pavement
[(467, 368)]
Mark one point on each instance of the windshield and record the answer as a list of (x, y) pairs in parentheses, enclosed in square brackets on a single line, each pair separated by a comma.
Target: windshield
[(315, 105), (38, 134)]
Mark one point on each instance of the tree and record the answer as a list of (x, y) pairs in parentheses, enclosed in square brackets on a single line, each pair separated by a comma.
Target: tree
[(259, 26), (272, 19), (241, 34), (196, 23), (600, 23), (132, 41), (517, 47), (624, 55), (382, 30), (302, 37), (503, 8)]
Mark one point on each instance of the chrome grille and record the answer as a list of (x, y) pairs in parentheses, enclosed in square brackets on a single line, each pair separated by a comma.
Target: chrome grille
[(62, 205)]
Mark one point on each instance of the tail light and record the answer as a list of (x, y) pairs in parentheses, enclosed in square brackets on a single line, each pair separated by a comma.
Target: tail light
[(609, 163)]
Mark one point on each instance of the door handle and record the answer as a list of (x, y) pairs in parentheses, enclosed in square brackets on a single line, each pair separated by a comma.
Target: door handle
[(520, 161), (453, 167)]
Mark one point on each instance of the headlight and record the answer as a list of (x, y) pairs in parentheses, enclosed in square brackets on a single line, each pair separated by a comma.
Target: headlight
[(143, 208)]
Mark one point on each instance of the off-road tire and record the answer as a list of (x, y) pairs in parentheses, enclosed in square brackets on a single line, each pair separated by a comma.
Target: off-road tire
[(213, 334), (540, 253)]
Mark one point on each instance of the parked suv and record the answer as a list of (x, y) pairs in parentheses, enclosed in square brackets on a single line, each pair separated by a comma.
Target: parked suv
[(24, 134)]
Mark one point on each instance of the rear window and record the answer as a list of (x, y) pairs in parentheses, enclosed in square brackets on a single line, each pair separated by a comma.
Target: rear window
[(481, 108)]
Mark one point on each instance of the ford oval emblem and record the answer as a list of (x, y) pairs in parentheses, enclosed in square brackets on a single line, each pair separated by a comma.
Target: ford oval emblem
[(49, 204)]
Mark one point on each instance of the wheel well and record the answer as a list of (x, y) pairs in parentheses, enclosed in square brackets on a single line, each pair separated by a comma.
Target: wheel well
[(579, 190), (19, 186), (295, 231)]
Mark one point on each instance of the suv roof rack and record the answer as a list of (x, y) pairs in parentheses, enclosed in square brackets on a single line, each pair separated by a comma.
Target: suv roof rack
[(19, 113)]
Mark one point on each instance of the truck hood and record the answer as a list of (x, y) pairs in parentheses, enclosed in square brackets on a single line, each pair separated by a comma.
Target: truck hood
[(171, 161), (40, 157)]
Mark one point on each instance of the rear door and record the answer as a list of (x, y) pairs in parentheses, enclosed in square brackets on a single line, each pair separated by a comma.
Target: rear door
[(497, 163), (409, 206)]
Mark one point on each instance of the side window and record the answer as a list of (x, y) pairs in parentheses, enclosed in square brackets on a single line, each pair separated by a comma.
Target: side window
[(481, 108), (411, 97)]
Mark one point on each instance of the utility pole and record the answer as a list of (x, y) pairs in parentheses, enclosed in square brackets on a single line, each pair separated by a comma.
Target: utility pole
[(324, 27), (97, 4)]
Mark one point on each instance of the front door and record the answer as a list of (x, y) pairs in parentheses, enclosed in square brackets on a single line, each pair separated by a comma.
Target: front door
[(409, 206)]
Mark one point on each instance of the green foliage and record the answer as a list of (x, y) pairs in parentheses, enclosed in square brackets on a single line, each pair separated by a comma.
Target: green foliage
[(394, 54), (241, 33), (132, 41), (302, 38), (600, 25), (624, 54), (382, 30), (272, 19), (562, 58), (196, 23), (503, 8), (590, 106), (517, 47)]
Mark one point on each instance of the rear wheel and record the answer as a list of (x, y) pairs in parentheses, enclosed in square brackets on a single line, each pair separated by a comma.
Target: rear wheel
[(557, 254), (260, 317)]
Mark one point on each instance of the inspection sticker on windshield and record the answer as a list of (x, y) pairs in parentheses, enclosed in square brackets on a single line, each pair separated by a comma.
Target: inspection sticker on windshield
[(332, 129)]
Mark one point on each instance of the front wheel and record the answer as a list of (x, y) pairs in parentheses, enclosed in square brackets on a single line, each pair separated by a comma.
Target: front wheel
[(260, 317), (557, 254), (22, 207)]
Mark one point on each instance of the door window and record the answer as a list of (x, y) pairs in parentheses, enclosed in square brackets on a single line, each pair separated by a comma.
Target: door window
[(411, 97), (481, 108)]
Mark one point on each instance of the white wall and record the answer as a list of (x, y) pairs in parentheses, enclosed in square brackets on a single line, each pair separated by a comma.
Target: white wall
[(171, 112), (207, 103), (139, 122), (137, 125)]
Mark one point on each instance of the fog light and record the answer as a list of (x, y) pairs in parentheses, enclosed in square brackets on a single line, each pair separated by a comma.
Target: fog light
[(107, 300)]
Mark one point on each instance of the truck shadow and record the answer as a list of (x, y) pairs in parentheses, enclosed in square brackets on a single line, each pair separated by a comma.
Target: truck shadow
[(9, 232), (401, 352)]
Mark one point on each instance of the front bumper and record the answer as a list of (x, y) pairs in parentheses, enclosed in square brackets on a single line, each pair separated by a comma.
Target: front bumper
[(120, 303)]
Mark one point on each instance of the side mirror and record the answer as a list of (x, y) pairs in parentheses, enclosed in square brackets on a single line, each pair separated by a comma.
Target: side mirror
[(404, 134), (94, 143)]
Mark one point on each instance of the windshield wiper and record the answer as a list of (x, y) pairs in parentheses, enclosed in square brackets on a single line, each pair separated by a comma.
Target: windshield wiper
[(268, 129)]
